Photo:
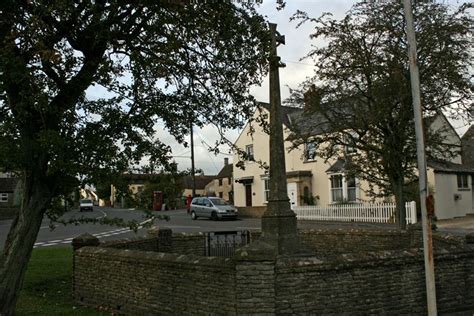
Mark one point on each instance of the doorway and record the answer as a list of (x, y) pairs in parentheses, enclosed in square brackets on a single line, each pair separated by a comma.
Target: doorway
[(248, 195), (293, 194)]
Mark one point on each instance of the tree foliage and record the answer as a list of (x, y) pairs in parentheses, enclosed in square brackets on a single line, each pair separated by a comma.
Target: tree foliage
[(84, 84), (360, 95)]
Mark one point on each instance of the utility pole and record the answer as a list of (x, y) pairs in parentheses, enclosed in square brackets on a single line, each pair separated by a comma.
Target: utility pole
[(278, 221), (420, 149), (193, 172)]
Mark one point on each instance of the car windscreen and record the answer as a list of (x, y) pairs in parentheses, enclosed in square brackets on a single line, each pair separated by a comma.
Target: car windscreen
[(219, 202), (86, 201)]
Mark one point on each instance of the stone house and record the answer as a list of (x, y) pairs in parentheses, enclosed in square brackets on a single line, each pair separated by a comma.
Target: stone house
[(201, 182), (312, 180), (222, 185), (136, 184)]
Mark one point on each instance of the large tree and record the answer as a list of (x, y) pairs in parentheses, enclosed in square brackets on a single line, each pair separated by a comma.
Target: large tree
[(145, 60), (360, 94)]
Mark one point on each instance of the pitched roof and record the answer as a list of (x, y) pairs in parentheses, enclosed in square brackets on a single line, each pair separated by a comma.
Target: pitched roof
[(8, 185), (201, 181), (315, 123), (338, 166), (467, 143), (226, 172), (285, 112), (469, 134), (449, 167)]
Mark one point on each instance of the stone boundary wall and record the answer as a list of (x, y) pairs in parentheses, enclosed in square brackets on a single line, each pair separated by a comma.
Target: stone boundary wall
[(365, 280), (332, 242), (252, 211), (182, 243), (189, 244), (384, 283), (134, 282), (142, 244)]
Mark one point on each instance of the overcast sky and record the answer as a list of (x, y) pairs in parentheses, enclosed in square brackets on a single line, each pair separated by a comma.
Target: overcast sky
[(297, 45)]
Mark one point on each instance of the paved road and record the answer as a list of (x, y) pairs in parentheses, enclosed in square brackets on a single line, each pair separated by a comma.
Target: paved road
[(179, 221)]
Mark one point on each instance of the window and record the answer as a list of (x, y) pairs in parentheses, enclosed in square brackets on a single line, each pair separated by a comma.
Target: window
[(310, 151), (336, 188), (351, 189), (266, 190), (220, 182), (343, 188), (463, 181), (249, 152), (229, 181), (221, 195), (3, 197)]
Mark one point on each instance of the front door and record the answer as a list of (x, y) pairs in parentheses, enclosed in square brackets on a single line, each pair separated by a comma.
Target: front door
[(292, 194), (248, 195)]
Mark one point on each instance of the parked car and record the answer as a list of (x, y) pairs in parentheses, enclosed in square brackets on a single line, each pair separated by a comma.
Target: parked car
[(86, 205), (212, 207)]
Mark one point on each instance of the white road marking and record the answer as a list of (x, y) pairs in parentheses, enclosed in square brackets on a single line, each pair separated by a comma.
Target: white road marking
[(98, 235), (51, 244), (103, 215)]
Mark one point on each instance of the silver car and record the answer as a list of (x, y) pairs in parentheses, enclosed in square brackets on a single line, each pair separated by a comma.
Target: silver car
[(212, 207)]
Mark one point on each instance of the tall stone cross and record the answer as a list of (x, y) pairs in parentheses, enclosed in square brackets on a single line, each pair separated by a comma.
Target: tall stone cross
[(278, 221)]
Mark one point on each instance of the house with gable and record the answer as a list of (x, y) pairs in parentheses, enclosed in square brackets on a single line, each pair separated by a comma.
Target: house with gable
[(222, 185), (313, 181)]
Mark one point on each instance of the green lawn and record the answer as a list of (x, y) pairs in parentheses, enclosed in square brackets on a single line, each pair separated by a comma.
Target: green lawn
[(47, 289)]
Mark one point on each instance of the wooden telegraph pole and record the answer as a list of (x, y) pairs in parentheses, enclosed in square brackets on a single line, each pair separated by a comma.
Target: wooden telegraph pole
[(420, 149), (193, 171)]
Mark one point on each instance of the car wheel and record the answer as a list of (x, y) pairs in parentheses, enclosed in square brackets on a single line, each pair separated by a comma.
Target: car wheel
[(214, 216), (193, 215)]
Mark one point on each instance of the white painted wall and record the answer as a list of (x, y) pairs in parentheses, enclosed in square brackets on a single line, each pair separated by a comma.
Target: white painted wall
[(294, 161), (445, 187)]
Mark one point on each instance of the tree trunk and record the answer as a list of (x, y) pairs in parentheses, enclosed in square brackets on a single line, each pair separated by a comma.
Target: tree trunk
[(400, 203), (20, 241)]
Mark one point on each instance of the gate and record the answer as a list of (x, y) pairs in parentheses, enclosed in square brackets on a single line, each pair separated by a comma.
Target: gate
[(224, 244)]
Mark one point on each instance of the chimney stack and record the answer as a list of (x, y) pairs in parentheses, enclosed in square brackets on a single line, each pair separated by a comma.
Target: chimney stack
[(226, 161)]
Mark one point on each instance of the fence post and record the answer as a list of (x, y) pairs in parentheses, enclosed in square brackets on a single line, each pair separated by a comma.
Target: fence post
[(413, 212)]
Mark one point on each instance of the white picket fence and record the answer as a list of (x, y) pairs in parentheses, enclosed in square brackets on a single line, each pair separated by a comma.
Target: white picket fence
[(371, 213)]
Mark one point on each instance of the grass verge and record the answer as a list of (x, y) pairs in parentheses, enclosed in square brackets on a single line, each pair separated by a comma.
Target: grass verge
[(47, 289)]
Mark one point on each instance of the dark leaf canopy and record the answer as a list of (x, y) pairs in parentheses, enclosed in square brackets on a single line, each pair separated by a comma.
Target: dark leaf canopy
[(85, 85), (361, 90)]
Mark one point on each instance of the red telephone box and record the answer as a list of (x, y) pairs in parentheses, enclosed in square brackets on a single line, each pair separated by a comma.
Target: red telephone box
[(158, 201)]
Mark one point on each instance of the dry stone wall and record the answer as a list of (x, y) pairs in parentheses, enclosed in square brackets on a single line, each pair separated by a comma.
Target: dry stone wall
[(150, 283), (385, 283), (350, 273)]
